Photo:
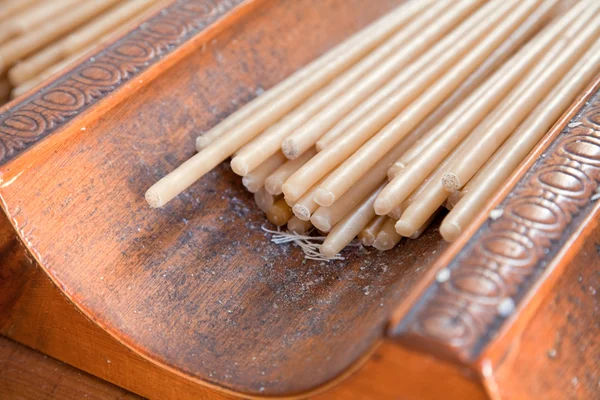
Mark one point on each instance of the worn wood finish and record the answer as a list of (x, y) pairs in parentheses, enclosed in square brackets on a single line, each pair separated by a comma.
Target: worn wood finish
[(28, 375), (196, 291), (170, 283)]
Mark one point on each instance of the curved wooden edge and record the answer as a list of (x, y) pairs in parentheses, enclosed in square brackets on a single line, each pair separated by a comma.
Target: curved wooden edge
[(114, 72), (497, 274)]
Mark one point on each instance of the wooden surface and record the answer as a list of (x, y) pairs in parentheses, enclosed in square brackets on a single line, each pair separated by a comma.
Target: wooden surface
[(196, 289), (171, 283), (28, 375)]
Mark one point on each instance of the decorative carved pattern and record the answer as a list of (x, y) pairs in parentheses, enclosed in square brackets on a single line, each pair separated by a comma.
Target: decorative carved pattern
[(464, 309), (47, 110)]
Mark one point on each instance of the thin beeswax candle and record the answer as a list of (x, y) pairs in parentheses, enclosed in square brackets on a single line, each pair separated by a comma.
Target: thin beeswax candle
[(330, 157), (387, 238), (521, 36), (75, 41), (424, 36), (522, 101), (514, 150), (458, 124), (269, 108), (347, 229), (274, 182), (356, 165), (368, 235), (271, 140)]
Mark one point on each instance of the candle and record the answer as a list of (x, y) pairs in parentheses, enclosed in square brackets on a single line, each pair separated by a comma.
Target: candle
[(409, 173), (75, 41), (506, 50), (256, 179), (505, 119), (424, 31), (11, 7), (28, 18), (299, 227), (387, 238), (346, 144), (325, 217), (271, 140), (396, 213), (275, 181), (368, 235), (280, 213), (347, 229), (497, 170), (442, 85), (249, 121), (265, 200), (306, 206), (19, 47)]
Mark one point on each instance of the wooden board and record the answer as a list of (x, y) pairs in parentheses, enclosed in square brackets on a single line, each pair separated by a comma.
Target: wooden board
[(28, 375)]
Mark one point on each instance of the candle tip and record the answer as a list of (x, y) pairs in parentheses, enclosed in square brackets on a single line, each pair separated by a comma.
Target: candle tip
[(451, 182), (239, 167), (153, 198), (322, 223), (290, 149), (383, 206), (328, 251), (302, 212), (324, 197), (383, 242), (450, 231), (404, 228)]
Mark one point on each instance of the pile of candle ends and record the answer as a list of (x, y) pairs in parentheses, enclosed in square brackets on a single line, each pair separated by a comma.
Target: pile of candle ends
[(433, 105)]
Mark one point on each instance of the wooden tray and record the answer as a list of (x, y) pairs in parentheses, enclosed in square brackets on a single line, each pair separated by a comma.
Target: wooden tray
[(193, 301)]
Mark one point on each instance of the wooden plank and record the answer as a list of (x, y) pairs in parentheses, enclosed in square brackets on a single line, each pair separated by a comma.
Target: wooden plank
[(28, 375)]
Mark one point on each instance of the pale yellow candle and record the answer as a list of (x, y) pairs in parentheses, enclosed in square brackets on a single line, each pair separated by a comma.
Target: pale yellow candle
[(75, 58), (368, 235), (356, 166), (22, 46), (397, 93), (305, 206), (271, 140), (280, 213), (299, 227), (325, 217), (12, 7), (265, 200), (29, 18), (425, 32), (498, 169), (460, 123), (505, 119), (347, 229), (274, 182), (422, 208), (521, 36), (258, 115), (256, 179), (387, 238), (75, 41)]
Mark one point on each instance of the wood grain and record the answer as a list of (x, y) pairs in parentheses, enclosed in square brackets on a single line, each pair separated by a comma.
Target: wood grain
[(28, 375)]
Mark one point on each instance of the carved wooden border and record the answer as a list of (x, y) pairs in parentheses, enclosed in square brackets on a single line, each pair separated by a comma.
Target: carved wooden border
[(463, 310), (44, 112)]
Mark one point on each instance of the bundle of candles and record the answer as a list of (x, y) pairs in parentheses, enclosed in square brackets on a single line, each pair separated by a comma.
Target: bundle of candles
[(434, 105), (41, 37)]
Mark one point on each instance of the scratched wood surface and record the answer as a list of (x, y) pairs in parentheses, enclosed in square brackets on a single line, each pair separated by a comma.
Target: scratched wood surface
[(28, 375), (197, 286)]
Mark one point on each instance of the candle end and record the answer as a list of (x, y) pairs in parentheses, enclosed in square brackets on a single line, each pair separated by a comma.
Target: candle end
[(324, 197), (404, 228), (450, 231), (383, 242), (201, 143), (290, 149), (153, 198), (383, 206), (328, 251), (274, 186), (239, 166), (302, 212), (321, 223), (451, 182)]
